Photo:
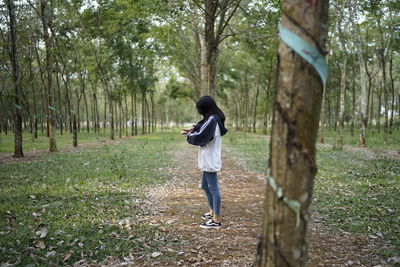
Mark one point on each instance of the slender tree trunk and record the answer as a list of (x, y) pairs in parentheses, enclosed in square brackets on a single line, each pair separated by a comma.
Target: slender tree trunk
[(32, 83), (203, 65), (371, 115), (74, 132), (322, 121), (136, 116), (392, 93), (126, 115), (292, 150), (255, 109), (132, 116), (105, 114), (353, 105), (111, 115), (119, 113), (148, 115), (18, 152), (361, 58), (378, 114), (143, 114), (153, 114), (59, 99), (87, 111), (47, 17), (342, 91)]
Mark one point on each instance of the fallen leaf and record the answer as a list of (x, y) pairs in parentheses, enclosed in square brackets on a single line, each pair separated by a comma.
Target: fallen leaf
[(41, 244), (11, 264), (67, 256), (155, 254), (379, 234), (395, 259), (59, 232), (51, 254), (42, 232), (170, 221)]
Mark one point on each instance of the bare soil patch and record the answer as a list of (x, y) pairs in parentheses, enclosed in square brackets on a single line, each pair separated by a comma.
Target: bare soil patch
[(182, 202)]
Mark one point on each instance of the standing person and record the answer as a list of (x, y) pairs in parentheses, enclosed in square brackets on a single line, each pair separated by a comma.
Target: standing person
[(207, 135)]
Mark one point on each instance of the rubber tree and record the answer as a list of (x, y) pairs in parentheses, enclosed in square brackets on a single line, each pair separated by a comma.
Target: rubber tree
[(292, 161), (46, 16), (18, 152)]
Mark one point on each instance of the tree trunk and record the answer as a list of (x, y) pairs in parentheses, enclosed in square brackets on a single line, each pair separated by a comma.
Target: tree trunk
[(392, 93), (217, 17), (361, 58), (74, 132), (353, 105), (143, 114), (87, 111), (111, 115), (153, 114), (47, 17), (120, 120), (59, 100), (295, 125), (378, 114), (18, 152), (255, 110), (342, 92), (126, 115), (136, 116), (322, 120), (132, 116)]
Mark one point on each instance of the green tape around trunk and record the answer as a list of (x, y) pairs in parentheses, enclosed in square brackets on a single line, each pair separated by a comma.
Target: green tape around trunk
[(306, 51)]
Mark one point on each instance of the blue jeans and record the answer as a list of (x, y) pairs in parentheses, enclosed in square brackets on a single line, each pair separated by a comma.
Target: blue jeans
[(209, 184)]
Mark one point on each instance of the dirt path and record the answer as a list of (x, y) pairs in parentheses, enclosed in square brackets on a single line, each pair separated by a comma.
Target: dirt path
[(181, 203)]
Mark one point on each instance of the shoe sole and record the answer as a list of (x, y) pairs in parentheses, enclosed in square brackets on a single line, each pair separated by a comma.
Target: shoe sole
[(210, 227)]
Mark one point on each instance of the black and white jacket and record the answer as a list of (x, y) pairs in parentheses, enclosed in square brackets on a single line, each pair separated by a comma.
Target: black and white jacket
[(207, 135)]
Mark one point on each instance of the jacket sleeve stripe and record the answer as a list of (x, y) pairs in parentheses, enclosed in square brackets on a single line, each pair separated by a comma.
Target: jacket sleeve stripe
[(202, 127)]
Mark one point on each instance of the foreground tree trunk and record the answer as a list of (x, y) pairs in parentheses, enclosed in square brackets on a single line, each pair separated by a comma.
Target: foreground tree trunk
[(18, 153), (295, 124)]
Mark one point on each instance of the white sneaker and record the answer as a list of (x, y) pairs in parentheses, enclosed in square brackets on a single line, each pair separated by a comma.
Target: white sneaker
[(210, 224)]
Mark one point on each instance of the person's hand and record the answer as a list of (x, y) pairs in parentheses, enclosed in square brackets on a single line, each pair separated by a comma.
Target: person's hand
[(186, 131)]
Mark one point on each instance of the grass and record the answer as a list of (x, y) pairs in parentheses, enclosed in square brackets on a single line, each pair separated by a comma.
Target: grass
[(353, 191), (88, 204), (42, 142), (374, 139), (84, 205)]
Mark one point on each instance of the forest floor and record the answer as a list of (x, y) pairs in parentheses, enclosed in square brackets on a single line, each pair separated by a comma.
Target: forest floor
[(181, 203), (174, 208)]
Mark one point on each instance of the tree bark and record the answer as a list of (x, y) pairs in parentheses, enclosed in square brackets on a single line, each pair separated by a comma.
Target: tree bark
[(18, 152), (217, 17), (46, 14), (342, 91), (255, 109), (392, 79), (74, 131), (111, 115), (295, 124), (361, 58)]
